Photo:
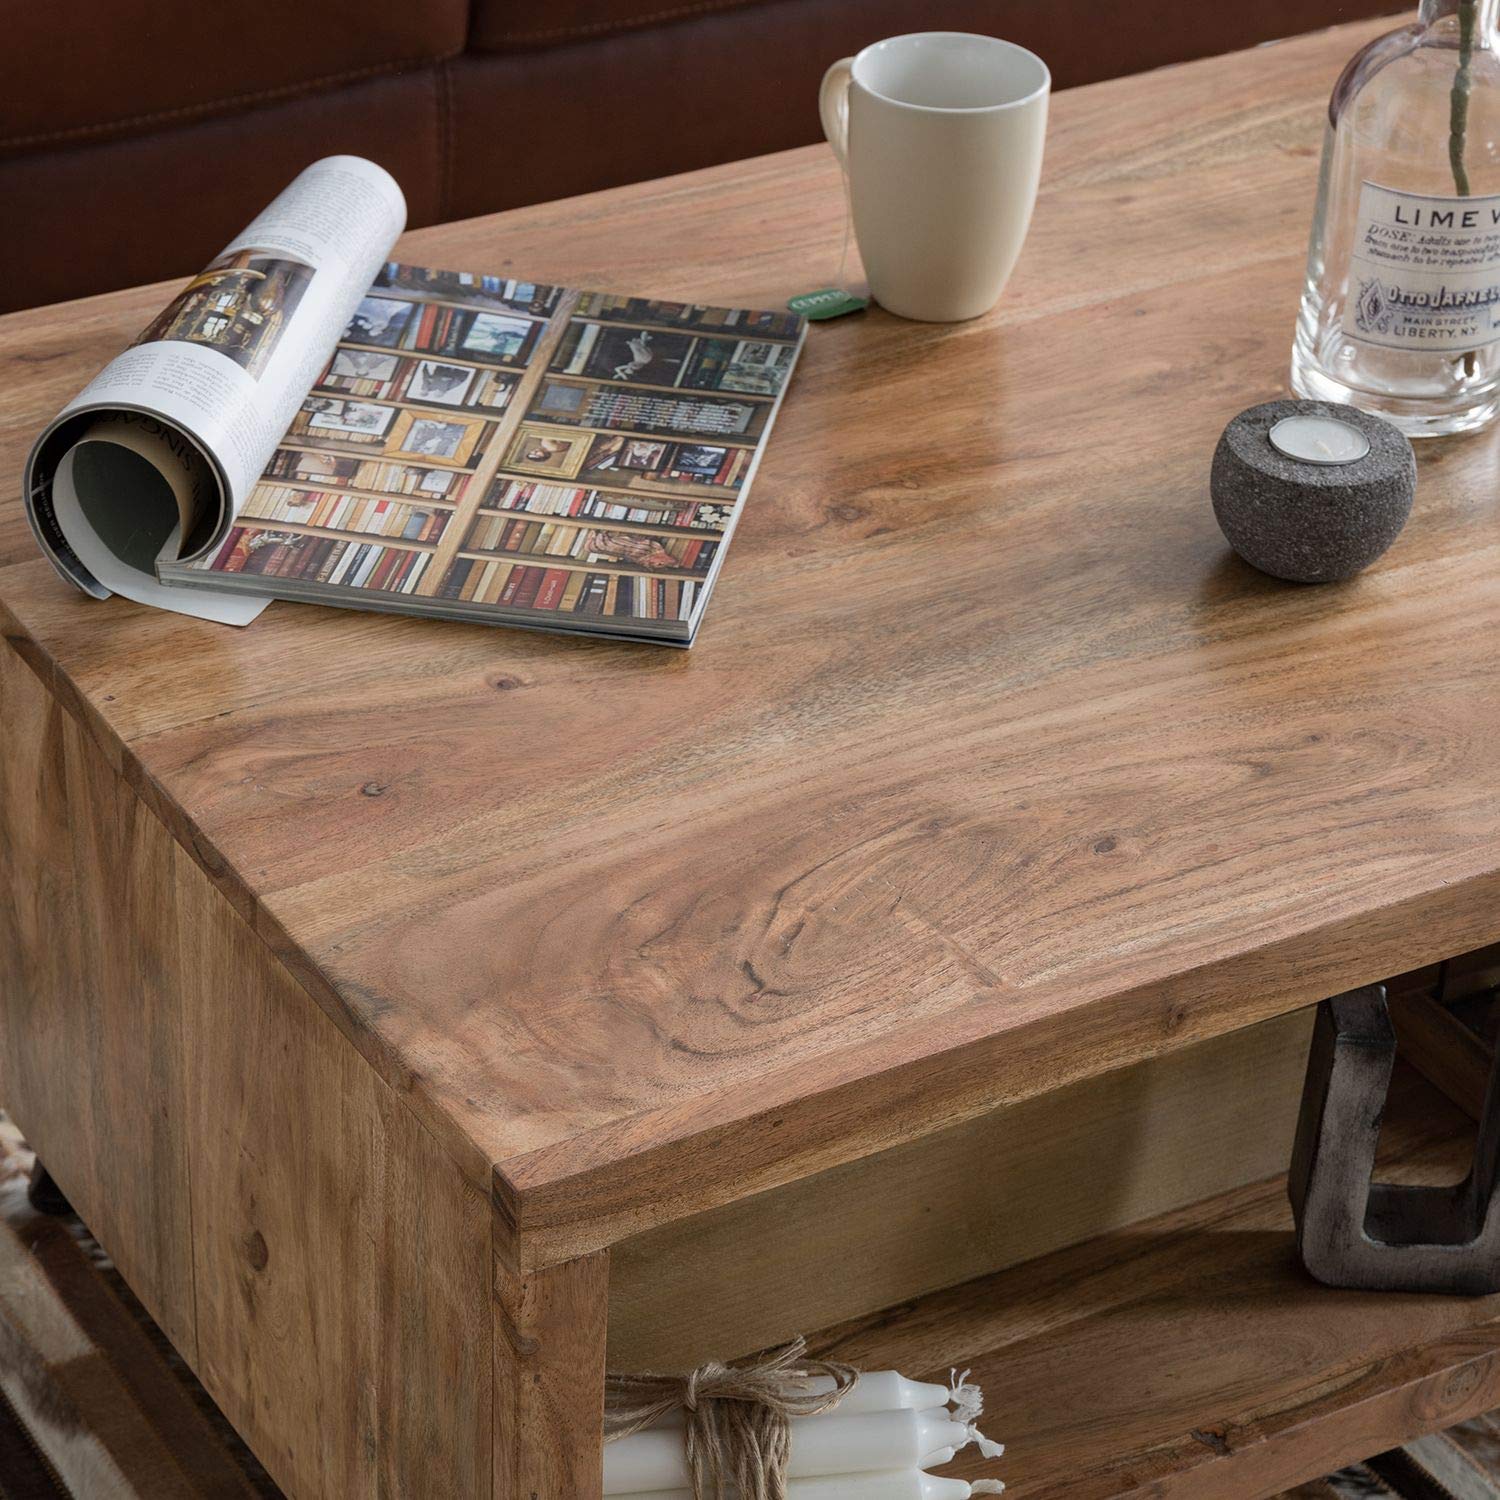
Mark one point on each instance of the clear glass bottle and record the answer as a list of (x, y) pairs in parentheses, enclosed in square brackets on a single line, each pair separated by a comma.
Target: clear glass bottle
[(1401, 311)]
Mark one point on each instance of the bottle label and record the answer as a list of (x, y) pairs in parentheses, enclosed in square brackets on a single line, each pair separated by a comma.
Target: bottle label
[(1424, 272)]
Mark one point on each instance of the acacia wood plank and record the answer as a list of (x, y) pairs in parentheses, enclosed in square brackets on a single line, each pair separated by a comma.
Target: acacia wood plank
[(91, 1046), (1445, 1051), (549, 1380), (341, 1259), (1191, 1356), (1432, 1035), (1013, 1185), (991, 771)]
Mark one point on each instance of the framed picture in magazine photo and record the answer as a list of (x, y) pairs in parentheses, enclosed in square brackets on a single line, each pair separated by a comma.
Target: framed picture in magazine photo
[(435, 383), (363, 364), (639, 356), (555, 451), (497, 336), (699, 461), (379, 320), (440, 440), (613, 452), (758, 367), (364, 419), (308, 466)]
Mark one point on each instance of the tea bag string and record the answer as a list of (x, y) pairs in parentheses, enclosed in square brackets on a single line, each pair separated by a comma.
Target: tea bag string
[(738, 1416), (842, 281)]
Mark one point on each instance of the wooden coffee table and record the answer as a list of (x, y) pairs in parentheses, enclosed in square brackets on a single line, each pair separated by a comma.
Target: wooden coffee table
[(424, 1014)]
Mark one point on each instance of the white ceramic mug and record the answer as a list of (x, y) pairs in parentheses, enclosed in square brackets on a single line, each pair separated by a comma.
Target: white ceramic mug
[(941, 135)]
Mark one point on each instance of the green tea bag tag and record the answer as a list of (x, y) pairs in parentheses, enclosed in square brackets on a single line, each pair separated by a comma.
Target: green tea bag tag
[(818, 307), (834, 301)]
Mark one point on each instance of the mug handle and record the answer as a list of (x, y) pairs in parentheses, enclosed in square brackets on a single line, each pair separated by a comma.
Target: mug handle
[(833, 106)]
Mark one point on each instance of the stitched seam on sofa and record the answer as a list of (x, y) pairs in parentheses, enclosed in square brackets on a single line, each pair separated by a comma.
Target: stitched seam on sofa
[(592, 28), (442, 84), (227, 104)]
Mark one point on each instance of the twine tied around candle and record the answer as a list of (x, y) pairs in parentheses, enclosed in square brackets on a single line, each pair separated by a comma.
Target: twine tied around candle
[(738, 1416)]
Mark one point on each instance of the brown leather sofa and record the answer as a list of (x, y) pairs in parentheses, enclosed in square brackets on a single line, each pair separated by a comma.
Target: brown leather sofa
[(137, 135)]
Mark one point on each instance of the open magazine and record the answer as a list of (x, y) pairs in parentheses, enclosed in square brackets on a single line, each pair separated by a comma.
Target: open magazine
[(309, 420)]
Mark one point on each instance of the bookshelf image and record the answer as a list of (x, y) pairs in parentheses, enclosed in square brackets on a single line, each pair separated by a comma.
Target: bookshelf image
[(484, 448)]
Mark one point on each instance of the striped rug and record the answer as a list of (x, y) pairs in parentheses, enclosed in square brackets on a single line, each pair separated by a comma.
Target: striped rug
[(94, 1403), (1460, 1464)]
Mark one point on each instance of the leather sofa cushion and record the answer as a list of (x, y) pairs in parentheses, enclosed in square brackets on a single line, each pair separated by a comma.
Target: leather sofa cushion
[(138, 208), (512, 25), (130, 66), (724, 81)]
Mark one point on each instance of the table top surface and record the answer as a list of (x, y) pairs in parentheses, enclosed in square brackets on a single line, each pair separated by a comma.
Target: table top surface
[(992, 768)]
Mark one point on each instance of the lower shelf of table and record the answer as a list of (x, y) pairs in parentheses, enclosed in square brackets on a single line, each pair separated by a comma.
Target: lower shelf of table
[(1191, 1356)]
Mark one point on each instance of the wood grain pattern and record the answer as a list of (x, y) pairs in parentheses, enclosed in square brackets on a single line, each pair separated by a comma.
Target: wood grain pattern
[(91, 1048), (549, 1381), (1445, 1051), (1191, 1358), (991, 771), (1011, 1186), (341, 1260)]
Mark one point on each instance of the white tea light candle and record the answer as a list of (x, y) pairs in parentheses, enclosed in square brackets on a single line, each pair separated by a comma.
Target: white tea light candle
[(1314, 438), (1315, 519)]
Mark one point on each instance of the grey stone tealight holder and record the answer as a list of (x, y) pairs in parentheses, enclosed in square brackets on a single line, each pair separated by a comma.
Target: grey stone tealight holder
[(1324, 514)]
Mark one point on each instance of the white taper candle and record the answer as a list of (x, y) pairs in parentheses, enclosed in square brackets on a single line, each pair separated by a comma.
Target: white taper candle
[(879, 1390), (907, 1484), (654, 1460), (882, 1390)]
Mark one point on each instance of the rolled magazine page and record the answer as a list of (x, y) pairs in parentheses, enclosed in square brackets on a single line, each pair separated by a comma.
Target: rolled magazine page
[(129, 491), (153, 459)]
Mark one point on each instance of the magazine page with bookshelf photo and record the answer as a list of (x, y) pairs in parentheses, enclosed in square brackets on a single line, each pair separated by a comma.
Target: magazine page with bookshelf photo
[(385, 436), (486, 448)]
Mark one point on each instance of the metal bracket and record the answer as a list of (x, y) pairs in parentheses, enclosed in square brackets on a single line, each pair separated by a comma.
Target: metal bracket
[(1353, 1232)]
